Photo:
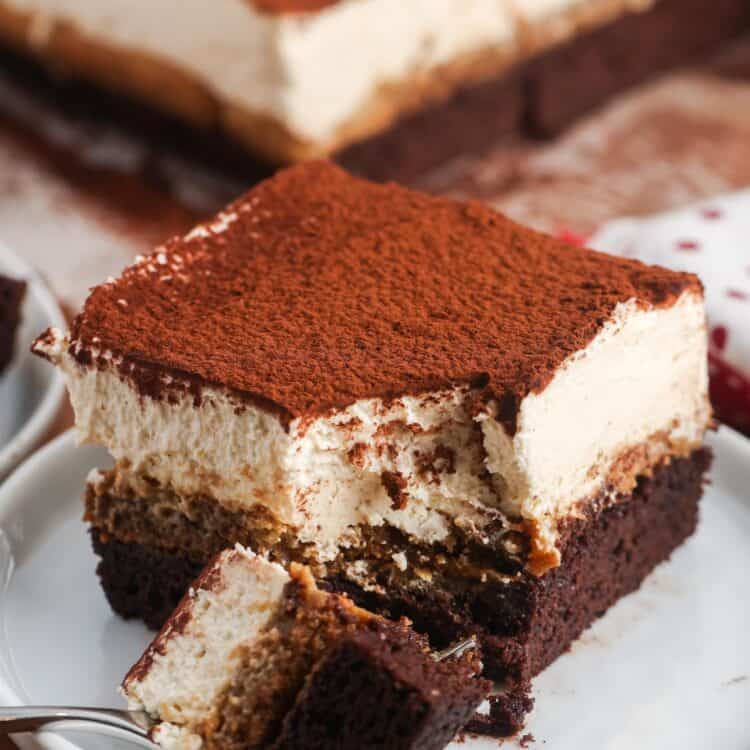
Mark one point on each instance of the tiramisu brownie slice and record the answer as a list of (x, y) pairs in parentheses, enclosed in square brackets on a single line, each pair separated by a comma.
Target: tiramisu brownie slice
[(447, 415), (433, 77), (11, 297), (255, 657)]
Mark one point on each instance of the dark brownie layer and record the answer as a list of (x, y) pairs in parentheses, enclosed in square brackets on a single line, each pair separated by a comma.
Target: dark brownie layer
[(11, 297), (141, 582), (571, 80), (610, 556), (525, 622), (318, 289), (469, 123)]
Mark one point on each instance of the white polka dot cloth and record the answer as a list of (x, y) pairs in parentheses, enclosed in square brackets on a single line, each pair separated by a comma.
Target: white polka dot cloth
[(711, 239)]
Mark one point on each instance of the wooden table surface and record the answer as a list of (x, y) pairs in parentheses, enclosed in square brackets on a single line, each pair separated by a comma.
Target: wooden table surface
[(81, 202)]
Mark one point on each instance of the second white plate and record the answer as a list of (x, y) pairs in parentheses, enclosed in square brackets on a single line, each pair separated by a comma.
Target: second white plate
[(668, 667), (31, 391)]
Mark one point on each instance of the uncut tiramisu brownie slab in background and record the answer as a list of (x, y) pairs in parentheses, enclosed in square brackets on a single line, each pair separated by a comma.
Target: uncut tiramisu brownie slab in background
[(390, 87), (444, 414)]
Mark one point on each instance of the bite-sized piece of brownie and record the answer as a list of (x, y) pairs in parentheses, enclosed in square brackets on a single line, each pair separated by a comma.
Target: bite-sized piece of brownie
[(256, 658), (378, 688), (11, 296)]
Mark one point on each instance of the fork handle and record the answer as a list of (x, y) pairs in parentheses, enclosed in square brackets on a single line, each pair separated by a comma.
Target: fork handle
[(19, 719)]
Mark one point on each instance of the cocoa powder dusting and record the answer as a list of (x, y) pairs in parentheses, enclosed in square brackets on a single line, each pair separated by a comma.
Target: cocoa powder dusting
[(317, 289), (395, 486)]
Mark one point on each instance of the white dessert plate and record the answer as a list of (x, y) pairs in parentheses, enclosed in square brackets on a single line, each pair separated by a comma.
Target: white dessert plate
[(667, 667), (31, 392)]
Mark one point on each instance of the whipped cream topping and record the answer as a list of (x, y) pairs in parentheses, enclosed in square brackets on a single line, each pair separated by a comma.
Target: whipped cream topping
[(422, 464)]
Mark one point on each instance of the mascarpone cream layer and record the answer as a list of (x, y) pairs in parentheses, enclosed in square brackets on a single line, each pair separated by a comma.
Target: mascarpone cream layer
[(324, 476), (638, 391), (312, 72), (637, 394)]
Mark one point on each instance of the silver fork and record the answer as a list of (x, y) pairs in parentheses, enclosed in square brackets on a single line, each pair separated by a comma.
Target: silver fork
[(132, 725)]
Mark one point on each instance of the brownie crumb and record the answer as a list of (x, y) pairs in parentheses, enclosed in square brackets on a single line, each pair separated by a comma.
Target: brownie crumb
[(507, 713), (379, 688), (527, 740)]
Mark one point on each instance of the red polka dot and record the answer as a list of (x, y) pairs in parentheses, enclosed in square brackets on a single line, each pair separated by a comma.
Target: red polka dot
[(712, 214), (719, 336), (730, 393), (690, 246), (571, 237), (737, 294)]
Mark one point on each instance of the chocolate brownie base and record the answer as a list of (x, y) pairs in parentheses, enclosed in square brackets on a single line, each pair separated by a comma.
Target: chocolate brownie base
[(540, 96), (142, 582), (469, 123), (11, 296), (610, 557), (524, 622)]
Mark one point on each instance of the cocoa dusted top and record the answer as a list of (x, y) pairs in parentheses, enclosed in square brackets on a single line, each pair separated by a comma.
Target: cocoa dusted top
[(317, 289)]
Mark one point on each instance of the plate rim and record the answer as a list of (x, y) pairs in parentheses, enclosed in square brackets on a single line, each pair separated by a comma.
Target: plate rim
[(28, 437), (13, 485), (11, 492)]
